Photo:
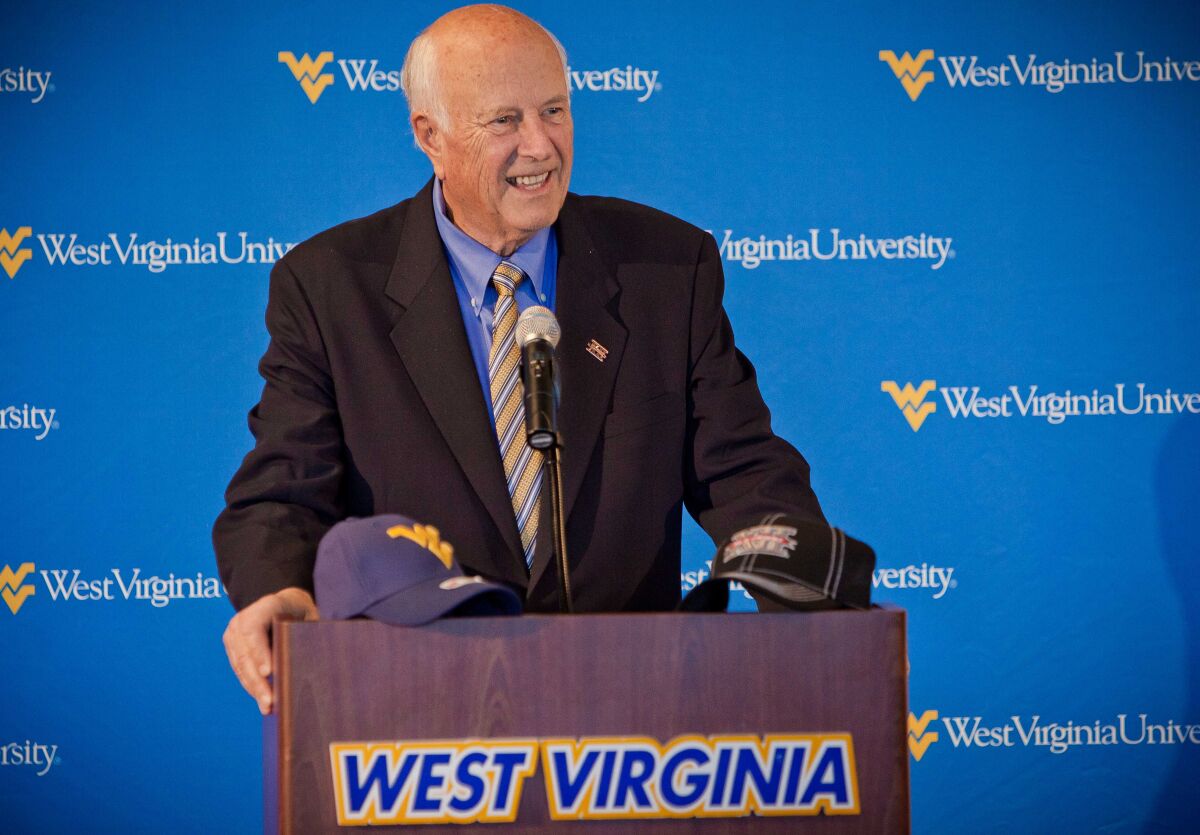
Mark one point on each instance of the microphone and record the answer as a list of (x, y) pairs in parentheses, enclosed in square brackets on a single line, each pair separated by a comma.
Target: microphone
[(538, 335)]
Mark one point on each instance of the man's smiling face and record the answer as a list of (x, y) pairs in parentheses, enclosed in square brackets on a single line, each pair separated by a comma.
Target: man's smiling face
[(504, 159)]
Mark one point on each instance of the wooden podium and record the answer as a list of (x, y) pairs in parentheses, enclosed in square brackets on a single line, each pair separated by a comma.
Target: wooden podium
[(798, 682)]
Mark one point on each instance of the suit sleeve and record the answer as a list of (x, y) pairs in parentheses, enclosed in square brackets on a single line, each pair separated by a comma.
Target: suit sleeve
[(738, 469), (288, 491)]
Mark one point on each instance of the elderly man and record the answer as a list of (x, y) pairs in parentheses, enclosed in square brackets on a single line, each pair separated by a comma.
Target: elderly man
[(381, 388)]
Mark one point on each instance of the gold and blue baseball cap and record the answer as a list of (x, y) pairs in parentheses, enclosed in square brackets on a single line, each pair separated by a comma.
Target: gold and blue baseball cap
[(394, 570)]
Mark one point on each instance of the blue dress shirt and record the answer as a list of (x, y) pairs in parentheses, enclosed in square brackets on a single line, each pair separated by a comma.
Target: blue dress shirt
[(472, 265)]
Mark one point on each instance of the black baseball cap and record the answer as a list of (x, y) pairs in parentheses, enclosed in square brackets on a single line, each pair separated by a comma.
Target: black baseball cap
[(796, 563)]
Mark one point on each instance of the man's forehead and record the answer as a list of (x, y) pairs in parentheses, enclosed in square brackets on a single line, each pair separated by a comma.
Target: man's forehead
[(505, 51), (505, 76)]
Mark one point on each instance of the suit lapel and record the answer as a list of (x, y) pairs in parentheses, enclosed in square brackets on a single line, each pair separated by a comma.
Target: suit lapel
[(585, 303), (432, 342)]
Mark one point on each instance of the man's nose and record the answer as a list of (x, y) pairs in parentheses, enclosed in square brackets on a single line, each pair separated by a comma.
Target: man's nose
[(535, 140)]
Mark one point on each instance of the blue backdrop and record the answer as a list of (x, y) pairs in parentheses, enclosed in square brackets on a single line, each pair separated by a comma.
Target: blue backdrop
[(1008, 412)]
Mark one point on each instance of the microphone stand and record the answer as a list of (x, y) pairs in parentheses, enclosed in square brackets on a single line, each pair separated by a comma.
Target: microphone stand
[(541, 393), (554, 473)]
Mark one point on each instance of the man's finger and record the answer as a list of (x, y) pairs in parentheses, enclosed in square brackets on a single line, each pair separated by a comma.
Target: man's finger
[(255, 641), (247, 646), (254, 684), (247, 639), (258, 687)]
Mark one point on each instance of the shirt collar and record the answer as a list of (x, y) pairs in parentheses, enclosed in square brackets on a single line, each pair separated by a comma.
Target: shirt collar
[(475, 263)]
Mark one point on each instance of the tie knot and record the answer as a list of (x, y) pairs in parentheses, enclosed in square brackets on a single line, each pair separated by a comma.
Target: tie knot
[(506, 277)]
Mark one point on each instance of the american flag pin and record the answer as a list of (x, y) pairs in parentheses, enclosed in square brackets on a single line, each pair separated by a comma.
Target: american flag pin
[(597, 350)]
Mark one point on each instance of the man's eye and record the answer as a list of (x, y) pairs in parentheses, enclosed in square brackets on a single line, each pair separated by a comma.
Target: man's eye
[(502, 120)]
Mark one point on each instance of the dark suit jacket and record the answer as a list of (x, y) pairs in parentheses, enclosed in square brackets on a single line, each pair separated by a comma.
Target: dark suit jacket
[(372, 405)]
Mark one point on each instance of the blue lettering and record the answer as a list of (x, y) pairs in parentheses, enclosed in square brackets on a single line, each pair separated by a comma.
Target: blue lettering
[(469, 780), (632, 779), (718, 783), (697, 782), (748, 765), (568, 789), (829, 778), (799, 755), (422, 802), (604, 789), (377, 775), (506, 762)]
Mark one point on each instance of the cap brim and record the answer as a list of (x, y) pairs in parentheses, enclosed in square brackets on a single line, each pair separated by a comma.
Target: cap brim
[(428, 601), (793, 593), (711, 595)]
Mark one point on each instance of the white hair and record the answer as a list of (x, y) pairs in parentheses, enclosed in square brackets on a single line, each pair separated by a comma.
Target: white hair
[(419, 77)]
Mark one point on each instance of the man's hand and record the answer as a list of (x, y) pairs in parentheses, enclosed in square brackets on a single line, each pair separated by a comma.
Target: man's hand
[(248, 638)]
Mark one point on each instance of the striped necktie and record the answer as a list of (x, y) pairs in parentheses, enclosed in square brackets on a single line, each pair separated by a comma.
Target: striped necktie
[(522, 463)]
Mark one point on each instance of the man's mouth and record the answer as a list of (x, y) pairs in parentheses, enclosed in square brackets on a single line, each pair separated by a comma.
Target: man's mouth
[(531, 182)]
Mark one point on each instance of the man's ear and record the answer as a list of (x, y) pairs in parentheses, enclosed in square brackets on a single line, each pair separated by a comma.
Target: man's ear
[(430, 140)]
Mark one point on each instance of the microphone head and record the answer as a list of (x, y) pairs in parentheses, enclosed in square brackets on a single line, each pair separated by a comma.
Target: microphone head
[(537, 322)]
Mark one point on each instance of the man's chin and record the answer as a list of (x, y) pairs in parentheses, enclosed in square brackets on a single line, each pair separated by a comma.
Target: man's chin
[(533, 221)]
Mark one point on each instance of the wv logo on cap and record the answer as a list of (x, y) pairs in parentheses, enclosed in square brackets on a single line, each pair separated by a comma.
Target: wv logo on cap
[(11, 256), (920, 739), (428, 537), (908, 70), (308, 72), (13, 587), (911, 401)]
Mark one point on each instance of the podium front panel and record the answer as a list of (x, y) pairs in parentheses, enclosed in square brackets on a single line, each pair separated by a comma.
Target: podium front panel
[(819, 678)]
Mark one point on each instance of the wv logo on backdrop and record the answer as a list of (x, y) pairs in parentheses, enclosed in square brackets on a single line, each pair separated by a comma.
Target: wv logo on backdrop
[(919, 737), (909, 70), (308, 72), (911, 400), (13, 587), (12, 256)]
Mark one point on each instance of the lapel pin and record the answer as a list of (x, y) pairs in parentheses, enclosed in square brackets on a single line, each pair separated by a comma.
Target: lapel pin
[(597, 350)]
